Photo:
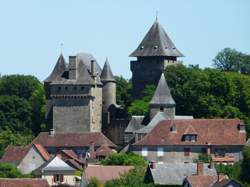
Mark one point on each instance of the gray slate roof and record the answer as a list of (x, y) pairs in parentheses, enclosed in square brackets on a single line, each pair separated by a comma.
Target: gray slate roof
[(156, 43), (134, 124), (58, 70), (162, 95), (156, 119), (107, 74), (83, 68), (175, 173)]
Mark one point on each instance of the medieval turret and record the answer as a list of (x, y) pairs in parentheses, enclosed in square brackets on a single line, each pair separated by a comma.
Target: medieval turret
[(162, 100), (154, 53), (109, 86)]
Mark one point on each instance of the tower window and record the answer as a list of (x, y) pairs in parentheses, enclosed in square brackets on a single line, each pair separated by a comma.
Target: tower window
[(74, 88), (161, 108), (59, 88), (66, 88), (82, 88)]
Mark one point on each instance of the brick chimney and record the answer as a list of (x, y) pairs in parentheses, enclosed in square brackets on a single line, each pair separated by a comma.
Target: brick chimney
[(200, 168), (51, 132)]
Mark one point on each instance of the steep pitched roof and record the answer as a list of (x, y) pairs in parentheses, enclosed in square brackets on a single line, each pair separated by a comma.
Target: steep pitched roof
[(105, 173), (104, 151), (201, 180), (134, 124), (107, 74), (162, 95), (212, 131), (42, 151), (175, 173), (58, 70), (226, 182), (156, 119), (72, 139), (14, 154), (156, 43), (7, 182)]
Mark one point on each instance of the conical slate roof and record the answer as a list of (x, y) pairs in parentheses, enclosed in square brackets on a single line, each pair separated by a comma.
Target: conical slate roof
[(107, 74), (162, 95), (156, 43), (58, 70)]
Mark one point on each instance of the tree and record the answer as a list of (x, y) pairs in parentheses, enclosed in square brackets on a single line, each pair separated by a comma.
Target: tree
[(232, 60), (141, 107), (246, 165), (123, 91)]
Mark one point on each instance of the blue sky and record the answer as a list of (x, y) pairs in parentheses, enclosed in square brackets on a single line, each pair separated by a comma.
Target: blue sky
[(31, 31)]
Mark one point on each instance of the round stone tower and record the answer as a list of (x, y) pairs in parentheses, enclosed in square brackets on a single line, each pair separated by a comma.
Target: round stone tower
[(109, 87)]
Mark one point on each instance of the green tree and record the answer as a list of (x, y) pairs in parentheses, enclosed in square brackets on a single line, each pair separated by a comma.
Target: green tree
[(94, 182), (141, 107), (232, 60), (19, 85), (123, 91), (246, 165)]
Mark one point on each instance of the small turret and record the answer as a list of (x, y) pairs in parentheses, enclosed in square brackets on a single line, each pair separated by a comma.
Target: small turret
[(109, 86), (162, 100)]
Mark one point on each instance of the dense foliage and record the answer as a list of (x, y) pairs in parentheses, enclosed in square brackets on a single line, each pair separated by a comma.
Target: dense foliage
[(22, 109), (209, 93), (123, 91), (10, 171), (240, 170), (203, 158), (232, 60), (130, 159), (141, 106)]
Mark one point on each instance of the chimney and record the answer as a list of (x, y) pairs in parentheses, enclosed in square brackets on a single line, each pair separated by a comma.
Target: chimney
[(211, 164), (200, 168), (152, 164), (92, 67), (51, 132)]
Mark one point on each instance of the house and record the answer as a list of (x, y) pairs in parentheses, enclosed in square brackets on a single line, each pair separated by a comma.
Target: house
[(173, 141), (175, 173), (80, 143), (162, 107), (26, 158), (7, 182), (220, 180), (105, 173), (33, 159), (56, 171)]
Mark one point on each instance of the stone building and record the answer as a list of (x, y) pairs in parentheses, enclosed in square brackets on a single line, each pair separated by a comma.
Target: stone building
[(79, 94), (154, 53)]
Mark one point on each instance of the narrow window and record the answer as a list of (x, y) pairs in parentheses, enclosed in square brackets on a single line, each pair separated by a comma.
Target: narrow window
[(144, 152), (75, 88), (186, 151), (160, 151), (59, 88), (66, 88)]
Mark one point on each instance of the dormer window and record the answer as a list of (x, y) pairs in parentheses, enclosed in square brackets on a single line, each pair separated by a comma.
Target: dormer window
[(241, 127), (173, 128), (190, 138)]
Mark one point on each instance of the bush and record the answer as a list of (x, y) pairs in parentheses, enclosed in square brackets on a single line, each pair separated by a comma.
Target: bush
[(131, 159), (203, 158), (10, 171), (94, 182)]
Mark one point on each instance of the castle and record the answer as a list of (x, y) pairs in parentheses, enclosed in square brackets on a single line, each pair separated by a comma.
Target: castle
[(78, 94), (81, 97)]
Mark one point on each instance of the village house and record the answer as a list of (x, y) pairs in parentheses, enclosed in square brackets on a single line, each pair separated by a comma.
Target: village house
[(175, 173), (173, 141)]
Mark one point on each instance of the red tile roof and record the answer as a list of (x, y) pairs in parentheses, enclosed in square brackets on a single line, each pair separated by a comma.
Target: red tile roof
[(6, 182), (209, 131), (105, 173), (69, 155), (201, 180), (223, 159), (72, 139), (104, 151), (42, 151), (14, 154)]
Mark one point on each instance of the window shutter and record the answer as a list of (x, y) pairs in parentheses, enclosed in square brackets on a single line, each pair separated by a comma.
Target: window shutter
[(62, 178)]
